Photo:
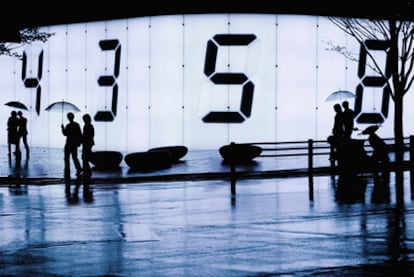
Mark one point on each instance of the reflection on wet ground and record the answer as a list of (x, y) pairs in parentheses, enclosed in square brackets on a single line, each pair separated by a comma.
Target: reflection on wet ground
[(357, 225), (47, 165), (271, 227)]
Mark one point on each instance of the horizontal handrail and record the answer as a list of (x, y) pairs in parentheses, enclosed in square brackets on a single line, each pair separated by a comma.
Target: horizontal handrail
[(311, 148), (317, 146)]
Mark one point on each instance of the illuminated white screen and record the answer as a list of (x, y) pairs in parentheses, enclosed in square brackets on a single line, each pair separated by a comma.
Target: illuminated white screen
[(196, 80)]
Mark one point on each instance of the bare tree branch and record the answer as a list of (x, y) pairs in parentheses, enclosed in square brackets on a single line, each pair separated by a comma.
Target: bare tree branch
[(28, 36), (399, 33), (368, 29)]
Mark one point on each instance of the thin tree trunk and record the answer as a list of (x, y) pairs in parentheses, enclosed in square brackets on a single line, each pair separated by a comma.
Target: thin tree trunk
[(398, 95), (398, 114), (398, 130)]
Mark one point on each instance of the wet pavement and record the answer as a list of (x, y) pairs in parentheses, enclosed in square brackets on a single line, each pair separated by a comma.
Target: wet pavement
[(149, 224), (46, 165)]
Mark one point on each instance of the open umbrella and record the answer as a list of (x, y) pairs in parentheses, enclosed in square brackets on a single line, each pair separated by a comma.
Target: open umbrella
[(62, 106), (370, 130), (340, 95), (17, 105)]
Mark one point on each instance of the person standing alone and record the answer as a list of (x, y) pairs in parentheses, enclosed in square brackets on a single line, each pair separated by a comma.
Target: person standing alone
[(73, 134)]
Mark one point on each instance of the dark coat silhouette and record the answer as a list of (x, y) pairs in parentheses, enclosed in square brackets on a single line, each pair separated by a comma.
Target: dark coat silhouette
[(23, 132), (338, 129), (12, 131), (348, 120), (380, 148), (73, 134), (88, 141)]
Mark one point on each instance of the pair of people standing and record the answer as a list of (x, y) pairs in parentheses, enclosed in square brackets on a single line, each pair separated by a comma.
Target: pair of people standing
[(343, 122), (16, 130), (74, 138), (342, 128)]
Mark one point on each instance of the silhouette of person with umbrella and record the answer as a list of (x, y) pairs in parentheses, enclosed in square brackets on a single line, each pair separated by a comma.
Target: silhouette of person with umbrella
[(12, 132), (337, 134), (73, 134), (380, 153)]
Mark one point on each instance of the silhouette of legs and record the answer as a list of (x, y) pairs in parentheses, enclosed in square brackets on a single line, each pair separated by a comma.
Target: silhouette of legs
[(26, 146), (86, 156), (71, 151), (76, 162)]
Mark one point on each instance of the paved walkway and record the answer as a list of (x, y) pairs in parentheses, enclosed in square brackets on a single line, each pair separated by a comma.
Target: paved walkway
[(121, 226), (46, 166)]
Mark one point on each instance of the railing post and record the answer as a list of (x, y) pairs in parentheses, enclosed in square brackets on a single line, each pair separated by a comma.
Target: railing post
[(310, 167), (233, 175), (233, 178)]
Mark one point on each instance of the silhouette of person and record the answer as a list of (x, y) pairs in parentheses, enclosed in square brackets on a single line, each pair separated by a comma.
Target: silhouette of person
[(12, 132), (380, 149), (338, 129), (348, 120), (337, 134), (88, 135), (23, 132), (73, 134)]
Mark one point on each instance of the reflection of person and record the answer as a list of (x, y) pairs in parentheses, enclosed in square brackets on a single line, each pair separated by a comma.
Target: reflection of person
[(87, 144), (12, 132), (350, 188), (73, 134), (348, 117), (23, 132)]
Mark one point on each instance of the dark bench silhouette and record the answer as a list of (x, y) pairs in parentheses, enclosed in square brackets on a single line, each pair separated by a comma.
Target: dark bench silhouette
[(149, 160), (104, 160), (176, 151), (156, 158), (239, 153)]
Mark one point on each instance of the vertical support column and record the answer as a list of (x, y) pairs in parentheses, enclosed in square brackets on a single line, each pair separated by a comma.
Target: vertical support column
[(310, 167)]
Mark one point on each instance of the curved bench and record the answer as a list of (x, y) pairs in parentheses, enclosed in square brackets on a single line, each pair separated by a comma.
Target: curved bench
[(176, 151), (150, 160), (239, 153), (106, 159)]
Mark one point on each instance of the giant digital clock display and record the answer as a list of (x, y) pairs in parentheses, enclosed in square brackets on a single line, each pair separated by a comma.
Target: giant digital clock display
[(197, 80)]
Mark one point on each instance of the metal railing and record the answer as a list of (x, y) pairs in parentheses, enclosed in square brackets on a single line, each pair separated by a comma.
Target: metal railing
[(312, 148)]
